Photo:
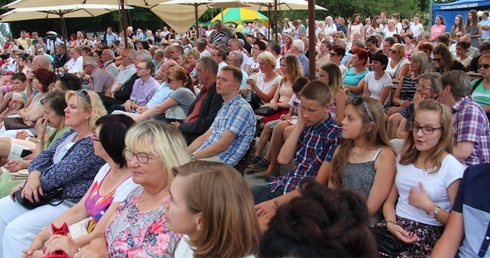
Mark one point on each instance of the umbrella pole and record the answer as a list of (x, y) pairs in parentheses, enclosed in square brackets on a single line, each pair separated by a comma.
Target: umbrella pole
[(269, 25), (64, 32), (196, 10), (276, 19), (124, 24), (311, 35)]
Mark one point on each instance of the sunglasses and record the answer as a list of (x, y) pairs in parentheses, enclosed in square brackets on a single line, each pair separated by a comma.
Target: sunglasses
[(437, 59), (170, 80), (393, 51), (333, 54), (485, 66), (84, 94)]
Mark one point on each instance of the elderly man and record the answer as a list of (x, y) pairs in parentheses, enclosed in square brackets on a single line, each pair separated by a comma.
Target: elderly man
[(471, 136), (127, 70), (107, 57), (201, 45), (60, 57), (100, 79), (75, 64), (236, 45), (298, 49), (204, 109), (235, 58), (232, 131), (143, 88), (472, 51), (220, 35)]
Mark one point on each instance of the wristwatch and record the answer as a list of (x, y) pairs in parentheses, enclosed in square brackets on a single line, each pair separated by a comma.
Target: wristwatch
[(433, 213), (193, 158)]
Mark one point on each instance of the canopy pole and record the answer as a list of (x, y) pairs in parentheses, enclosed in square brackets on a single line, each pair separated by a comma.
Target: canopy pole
[(196, 10), (124, 23), (311, 36), (276, 19), (64, 32)]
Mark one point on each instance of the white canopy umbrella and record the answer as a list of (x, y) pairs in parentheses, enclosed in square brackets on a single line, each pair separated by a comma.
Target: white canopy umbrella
[(61, 12)]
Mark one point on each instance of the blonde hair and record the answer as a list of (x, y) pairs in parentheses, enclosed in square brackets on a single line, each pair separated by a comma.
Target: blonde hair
[(410, 154), (293, 67), (400, 48), (267, 57), (161, 139), (93, 102), (377, 137), (230, 227)]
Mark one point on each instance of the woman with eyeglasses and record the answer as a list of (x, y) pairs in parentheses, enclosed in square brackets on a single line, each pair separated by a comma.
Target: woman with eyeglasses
[(138, 228), (109, 189), (364, 161), (176, 106), (336, 54), (426, 183), (205, 194), (258, 48), (480, 87), (69, 164), (445, 60)]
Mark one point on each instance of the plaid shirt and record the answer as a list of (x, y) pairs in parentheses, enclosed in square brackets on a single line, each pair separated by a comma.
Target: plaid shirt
[(236, 116), (471, 124), (316, 144)]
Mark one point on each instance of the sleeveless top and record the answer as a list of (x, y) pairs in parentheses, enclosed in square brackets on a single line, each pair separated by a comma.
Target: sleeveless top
[(473, 30), (409, 87), (359, 177)]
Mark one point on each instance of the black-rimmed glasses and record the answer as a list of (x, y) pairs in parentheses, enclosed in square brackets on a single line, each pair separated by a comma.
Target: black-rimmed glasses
[(427, 130)]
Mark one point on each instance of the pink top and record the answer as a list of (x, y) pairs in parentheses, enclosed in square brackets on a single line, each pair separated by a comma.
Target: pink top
[(437, 30)]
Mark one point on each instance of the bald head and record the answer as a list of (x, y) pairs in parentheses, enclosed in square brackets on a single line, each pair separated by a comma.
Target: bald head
[(465, 38), (40, 61), (165, 66)]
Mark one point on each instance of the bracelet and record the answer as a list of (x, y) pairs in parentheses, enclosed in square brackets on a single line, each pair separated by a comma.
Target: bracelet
[(40, 141)]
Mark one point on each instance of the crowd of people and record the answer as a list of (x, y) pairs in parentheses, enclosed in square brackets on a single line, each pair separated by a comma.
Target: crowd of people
[(139, 143)]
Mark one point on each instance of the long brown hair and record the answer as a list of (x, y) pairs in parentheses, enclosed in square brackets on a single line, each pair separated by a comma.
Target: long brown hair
[(376, 137), (293, 67), (179, 73), (230, 227), (410, 154)]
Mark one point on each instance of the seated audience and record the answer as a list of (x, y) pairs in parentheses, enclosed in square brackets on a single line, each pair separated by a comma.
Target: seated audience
[(471, 137), (414, 215), (206, 105), (480, 90), (69, 164), (109, 189), (377, 84), (231, 133), (445, 60), (397, 66), (263, 85), (356, 72), (192, 210), (138, 227)]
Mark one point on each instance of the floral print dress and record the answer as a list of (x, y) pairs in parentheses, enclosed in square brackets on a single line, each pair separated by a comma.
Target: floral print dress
[(140, 234)]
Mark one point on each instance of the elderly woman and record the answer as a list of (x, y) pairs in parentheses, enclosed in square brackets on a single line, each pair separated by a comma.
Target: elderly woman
[(69, 164), (264, 84), (138, 228), (323, 57), (192, 210), (11, 149), (29, 115), (397, 66), (110, 187)]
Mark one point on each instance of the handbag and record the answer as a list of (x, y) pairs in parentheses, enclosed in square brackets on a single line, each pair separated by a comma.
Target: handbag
[(54, 197), (388, 243), (268, 111), (64, 231), (13, 123)]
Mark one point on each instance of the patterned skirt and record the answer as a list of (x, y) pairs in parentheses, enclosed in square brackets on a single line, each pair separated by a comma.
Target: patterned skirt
[(427, 234)]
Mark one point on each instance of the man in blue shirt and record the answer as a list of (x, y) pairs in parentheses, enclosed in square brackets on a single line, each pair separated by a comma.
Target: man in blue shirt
[(230, 135)]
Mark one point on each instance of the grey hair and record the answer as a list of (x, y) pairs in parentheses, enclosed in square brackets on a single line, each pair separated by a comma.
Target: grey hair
[(237, 55), (299, 44), (435, 80), (459, 81), (144, 55), (90, 61)]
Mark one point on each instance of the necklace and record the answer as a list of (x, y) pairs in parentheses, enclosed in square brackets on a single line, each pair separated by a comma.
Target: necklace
[(151, 196)]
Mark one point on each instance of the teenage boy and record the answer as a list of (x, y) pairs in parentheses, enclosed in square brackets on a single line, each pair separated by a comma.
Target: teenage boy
[(312, 142)]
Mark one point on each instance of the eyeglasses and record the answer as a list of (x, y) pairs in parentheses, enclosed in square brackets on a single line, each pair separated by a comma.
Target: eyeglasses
[(141, 68), (359, 101), (425, 129), (485, 66), (393, 51), (84, 94), (421, 86), (437, 59), (141, 157), (170, 80), (333, 54)]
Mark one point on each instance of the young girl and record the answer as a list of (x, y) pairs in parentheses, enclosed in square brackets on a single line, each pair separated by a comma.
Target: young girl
[(413, 214), (211, 204), (363, 162), (330, 74)]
